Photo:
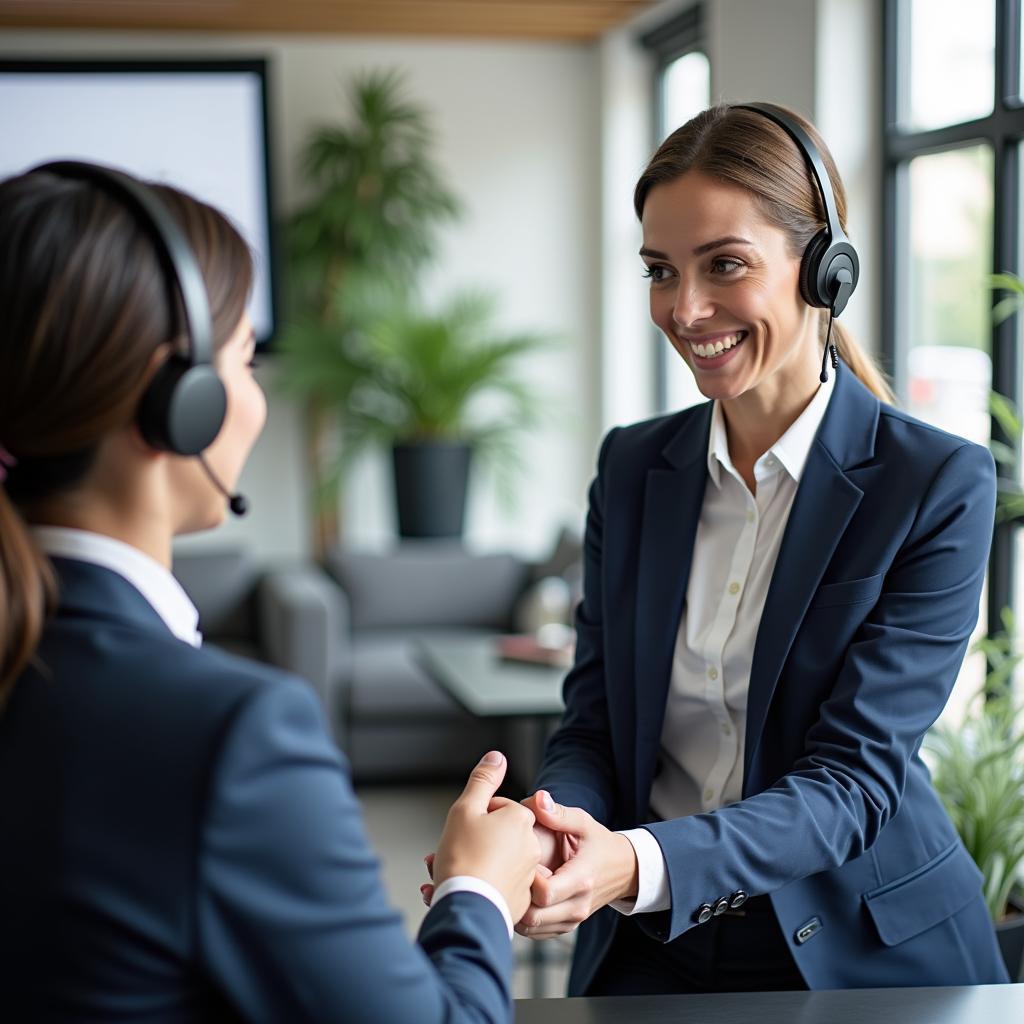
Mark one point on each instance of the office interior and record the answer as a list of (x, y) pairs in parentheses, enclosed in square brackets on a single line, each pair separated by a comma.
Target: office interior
[(541, 122)]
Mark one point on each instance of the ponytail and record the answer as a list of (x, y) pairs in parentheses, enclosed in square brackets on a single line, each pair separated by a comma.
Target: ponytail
[(863, 365), (27, 595)]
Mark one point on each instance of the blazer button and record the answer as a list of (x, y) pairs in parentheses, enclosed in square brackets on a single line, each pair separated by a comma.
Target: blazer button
[(737, 899), (721, 906), (704, 913)]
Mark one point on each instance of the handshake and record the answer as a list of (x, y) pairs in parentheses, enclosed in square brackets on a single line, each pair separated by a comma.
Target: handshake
[(553, 865)]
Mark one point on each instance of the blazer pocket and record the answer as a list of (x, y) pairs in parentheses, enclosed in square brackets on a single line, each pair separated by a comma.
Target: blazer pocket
[(848, 592), (925, 897)]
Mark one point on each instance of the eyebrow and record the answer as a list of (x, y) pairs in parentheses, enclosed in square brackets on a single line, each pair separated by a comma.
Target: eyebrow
[(701, 249)]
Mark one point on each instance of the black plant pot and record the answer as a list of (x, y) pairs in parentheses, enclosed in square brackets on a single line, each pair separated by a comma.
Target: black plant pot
[(1010, 933), (430, 486)]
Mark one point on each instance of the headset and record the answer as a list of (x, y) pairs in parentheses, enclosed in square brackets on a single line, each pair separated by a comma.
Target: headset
[(183, 408), (829, 268)]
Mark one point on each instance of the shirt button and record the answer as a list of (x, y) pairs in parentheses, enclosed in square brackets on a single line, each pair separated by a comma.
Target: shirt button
[(726, 729), (709, 795), (750, 517), (734, 588), (712, 673)]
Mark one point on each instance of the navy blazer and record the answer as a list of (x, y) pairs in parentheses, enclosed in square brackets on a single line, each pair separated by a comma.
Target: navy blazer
[(866, 622), (179, 841)]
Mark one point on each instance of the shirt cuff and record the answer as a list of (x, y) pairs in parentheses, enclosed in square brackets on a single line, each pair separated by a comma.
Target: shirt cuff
[(652, 889), (467, 883)]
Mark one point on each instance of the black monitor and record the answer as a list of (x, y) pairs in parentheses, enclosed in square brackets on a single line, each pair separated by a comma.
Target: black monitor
[(201, 125)]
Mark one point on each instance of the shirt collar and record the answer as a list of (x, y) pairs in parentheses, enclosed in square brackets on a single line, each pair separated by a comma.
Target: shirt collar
[(791, 450), (149, 577)]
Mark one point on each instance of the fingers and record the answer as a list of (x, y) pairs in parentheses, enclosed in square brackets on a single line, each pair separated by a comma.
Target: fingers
[(483, 783), (546, 922), (558, 818), (569, 882)]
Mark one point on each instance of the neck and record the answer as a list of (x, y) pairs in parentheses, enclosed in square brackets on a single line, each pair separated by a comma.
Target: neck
[(757, 419), (129, 507)]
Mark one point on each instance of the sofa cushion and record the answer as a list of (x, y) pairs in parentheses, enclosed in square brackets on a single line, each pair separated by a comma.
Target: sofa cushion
[(388, 681), (429, 584)]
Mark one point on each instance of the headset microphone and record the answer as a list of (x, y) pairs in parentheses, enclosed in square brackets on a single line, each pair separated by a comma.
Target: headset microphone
[(238, 503)]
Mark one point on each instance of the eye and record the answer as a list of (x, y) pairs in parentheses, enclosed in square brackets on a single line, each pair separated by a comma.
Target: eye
[(725, 265), (657, 273)]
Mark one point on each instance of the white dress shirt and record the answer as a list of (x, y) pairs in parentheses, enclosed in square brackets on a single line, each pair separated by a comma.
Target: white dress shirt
[(173, 605), (734, 555), (145, 574)]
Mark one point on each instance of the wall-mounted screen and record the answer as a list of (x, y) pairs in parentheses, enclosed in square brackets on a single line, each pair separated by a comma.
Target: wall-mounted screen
[(200, 125)]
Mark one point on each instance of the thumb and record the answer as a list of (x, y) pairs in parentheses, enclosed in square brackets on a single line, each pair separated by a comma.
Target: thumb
[(484, 781), (558, 818)]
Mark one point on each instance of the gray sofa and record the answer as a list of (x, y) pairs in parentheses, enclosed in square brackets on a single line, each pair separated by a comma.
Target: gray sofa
[(352, 631), (292, 617), (393, 720)]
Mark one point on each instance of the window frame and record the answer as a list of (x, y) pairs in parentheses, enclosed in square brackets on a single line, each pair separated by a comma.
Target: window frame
[(1003, 131), (682, 34)]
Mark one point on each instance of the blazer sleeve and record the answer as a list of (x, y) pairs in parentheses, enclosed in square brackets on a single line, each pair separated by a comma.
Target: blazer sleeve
[(577, 769), (293, 923), (894, 682)]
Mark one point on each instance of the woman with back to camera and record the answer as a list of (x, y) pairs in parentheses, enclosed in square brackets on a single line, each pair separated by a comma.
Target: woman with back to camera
[(780, 586), (180, 840)]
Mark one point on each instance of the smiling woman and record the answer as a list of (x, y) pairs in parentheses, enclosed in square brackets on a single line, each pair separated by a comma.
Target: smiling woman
[(779, 589)]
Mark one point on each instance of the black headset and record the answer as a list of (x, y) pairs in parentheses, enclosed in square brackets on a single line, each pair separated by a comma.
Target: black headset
[(829, 268), (183, 408)]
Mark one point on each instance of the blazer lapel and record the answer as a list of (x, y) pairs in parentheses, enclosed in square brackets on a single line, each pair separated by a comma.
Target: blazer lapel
[(825, 501), (671, 512)]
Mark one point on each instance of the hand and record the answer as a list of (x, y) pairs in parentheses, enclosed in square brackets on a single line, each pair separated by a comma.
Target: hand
[(555, 847), (602, 867), (489, 838)]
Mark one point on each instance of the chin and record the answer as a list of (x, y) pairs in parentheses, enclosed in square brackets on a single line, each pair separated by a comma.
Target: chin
[(200, 520)]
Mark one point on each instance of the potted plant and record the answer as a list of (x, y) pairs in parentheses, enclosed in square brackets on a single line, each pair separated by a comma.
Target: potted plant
[(376, 199), (433, 386), (979, 775)]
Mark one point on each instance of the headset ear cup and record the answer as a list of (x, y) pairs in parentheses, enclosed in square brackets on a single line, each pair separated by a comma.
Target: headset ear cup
[(810, 266), (183, 409)]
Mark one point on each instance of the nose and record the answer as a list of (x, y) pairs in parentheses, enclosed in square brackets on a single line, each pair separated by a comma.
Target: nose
[(691, 306)]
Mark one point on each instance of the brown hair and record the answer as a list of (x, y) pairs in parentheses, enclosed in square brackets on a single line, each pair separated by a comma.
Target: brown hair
[(744, 148), (85, 305)]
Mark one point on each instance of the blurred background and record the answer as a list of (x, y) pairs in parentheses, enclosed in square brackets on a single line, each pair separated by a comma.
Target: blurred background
[(450, 302)]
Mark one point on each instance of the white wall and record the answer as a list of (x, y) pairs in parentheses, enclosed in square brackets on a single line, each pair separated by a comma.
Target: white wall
[(517, 136), (544, 142)]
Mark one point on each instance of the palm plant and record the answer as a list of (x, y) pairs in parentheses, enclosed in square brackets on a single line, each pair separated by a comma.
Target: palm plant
[(404, 375), (377, 199), (979, 772)]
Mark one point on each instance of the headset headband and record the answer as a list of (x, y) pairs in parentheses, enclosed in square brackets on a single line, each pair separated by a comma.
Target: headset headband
[(812, 156), (170, 241)]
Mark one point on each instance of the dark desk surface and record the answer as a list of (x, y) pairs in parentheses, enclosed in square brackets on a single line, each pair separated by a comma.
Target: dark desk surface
[(984, 1004)]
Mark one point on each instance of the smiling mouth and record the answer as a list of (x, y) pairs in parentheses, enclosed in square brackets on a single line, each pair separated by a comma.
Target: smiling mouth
[(710, 349)]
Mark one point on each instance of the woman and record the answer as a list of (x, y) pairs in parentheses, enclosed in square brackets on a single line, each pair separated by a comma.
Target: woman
[(780, 587), (180, 837)]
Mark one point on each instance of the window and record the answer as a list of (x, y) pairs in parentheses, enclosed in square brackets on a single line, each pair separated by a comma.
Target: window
[(954, 126), (682, 88)]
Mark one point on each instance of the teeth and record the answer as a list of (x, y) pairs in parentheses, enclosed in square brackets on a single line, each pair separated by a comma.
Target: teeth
[(714, 348)]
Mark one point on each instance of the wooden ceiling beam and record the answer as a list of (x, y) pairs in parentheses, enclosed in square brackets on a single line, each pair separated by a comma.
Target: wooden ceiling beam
[(532, 19)]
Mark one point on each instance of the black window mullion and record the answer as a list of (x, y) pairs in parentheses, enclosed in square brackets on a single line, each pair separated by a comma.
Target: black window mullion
[(1005, 257), (1003, 130), (1005, 368)]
